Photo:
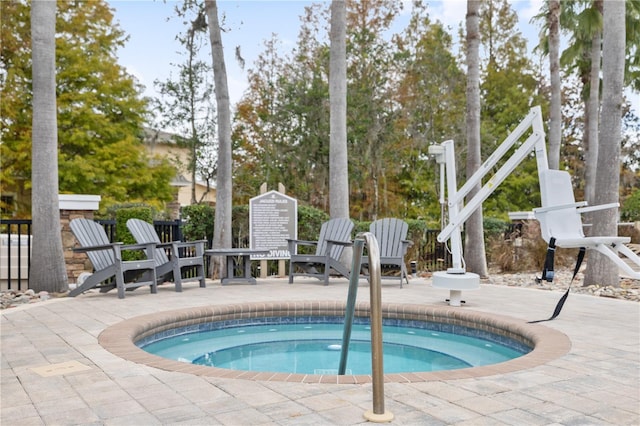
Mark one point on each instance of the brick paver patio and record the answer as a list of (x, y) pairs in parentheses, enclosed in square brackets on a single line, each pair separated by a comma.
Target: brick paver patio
[(55, 372)]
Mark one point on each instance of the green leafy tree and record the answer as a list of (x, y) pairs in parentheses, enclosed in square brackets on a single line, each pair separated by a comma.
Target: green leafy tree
[(100, 110), (282, 123), (404, 91), (373, 156), (15, 104), (430, 93), (510, 87), (581, 21), (630, 210), (185, 104)]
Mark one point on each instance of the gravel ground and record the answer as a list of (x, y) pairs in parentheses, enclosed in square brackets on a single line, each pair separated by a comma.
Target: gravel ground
[(629, 289)]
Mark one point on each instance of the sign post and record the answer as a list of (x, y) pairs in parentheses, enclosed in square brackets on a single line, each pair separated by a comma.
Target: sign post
[(273, 218)]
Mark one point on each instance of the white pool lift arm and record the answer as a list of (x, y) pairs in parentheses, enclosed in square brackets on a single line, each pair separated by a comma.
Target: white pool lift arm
[(456, 278)]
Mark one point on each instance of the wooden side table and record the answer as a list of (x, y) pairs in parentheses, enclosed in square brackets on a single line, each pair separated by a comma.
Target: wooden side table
[(232, 253)]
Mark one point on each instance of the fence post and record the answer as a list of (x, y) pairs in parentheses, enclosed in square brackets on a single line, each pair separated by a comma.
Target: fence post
[(74, 206), (177, 230)]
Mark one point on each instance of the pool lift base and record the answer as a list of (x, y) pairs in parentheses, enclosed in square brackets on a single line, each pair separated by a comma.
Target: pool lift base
[(455, 283)]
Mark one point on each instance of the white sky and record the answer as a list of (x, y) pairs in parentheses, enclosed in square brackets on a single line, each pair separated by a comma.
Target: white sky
[(152, 28)]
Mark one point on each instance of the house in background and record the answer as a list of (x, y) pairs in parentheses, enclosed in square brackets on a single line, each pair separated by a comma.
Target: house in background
[(163, 144)]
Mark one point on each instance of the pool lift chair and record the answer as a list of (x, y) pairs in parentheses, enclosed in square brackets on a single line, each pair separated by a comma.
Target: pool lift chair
[(560, 218), (555, 215)]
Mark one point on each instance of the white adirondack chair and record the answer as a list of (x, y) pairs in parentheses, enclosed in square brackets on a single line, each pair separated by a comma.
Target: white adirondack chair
[(560, 218)]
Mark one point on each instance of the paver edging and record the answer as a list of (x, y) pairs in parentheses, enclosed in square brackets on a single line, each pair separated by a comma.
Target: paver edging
[(120, 338)]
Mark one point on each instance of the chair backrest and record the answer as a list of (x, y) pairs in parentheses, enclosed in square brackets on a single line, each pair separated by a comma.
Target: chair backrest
[(555, 190), (390, 232), (90, 233), (144, 232), (337, 230)]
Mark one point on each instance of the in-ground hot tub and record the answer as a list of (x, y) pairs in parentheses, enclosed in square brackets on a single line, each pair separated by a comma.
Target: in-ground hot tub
[(120, 339)]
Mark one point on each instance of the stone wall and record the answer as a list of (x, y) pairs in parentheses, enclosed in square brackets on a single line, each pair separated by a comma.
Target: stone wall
[(76, 262)]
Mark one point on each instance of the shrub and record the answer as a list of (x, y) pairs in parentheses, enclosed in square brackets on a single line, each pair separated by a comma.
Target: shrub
[(198, 222), (632, 232), (310, 220), (530, 255), (494, 227), (111, 211), (630, 210)]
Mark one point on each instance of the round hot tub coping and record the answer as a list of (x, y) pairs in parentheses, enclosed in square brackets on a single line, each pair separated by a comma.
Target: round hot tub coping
[(548, 344)]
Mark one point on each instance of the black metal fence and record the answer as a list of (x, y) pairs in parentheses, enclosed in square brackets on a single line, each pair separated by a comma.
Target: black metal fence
[(15, 253), (432, 255)]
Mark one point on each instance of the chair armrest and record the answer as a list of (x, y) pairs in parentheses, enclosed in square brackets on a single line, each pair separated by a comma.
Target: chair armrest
[(302, 242), (293, 244), (182, 244), (559, 207), (331, 243), (141, 246), (188, 243), (198, 245), (598, 207), (95, 248), (341, 243), (405, 245)]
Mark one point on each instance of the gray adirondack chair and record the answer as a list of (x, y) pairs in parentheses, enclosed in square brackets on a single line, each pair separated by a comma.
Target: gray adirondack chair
[(107, 262), (335, 235), (391, 235), (182, 255)]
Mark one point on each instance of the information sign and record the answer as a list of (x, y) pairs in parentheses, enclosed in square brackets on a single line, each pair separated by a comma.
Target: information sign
[(273, 218)]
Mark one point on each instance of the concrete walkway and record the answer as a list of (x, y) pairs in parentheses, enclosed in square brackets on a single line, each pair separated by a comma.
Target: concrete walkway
[(54, 371)]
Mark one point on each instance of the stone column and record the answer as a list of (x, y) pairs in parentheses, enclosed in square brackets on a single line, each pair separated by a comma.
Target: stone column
[(74, 206)]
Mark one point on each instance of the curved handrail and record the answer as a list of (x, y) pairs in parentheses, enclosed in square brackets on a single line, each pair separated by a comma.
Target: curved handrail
[(378, 413)]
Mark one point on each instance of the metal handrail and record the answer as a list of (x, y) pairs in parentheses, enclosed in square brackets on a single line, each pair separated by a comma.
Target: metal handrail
[(378, 413)]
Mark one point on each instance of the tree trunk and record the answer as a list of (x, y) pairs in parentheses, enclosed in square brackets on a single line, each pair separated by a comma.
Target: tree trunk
[(592, 116), (48, 271), (601, 270), (475, 256), (222, 224), (555, 122), (338, 164)]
